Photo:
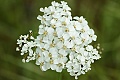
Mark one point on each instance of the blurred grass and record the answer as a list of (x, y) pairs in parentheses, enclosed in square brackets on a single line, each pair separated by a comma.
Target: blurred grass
[(19, 16)]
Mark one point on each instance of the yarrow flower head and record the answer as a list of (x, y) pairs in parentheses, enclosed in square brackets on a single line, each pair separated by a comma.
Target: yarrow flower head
[(63, 42)]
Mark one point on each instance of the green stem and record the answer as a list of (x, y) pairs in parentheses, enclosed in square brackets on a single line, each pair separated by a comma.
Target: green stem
[(60, 76)]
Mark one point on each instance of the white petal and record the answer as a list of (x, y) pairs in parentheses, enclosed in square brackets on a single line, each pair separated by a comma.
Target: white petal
[(50, 30), (45, 67), (41, 26), (41, 31), (85, 53), (94, 37), (69, 44), (56, 61), (59, 45), (78, 41), (66, 36), (53, 67), (45, 39), (59, 32), (46, 46), (59, 69), (45, 53)]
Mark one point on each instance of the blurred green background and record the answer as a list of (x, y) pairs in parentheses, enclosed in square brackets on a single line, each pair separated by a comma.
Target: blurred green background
[(19, 16)]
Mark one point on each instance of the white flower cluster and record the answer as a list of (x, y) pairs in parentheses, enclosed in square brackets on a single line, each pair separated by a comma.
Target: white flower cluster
[(26, 45), (63, 42)]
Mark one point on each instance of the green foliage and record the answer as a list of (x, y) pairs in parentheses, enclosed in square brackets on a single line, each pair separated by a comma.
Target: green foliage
[(19, 16)]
